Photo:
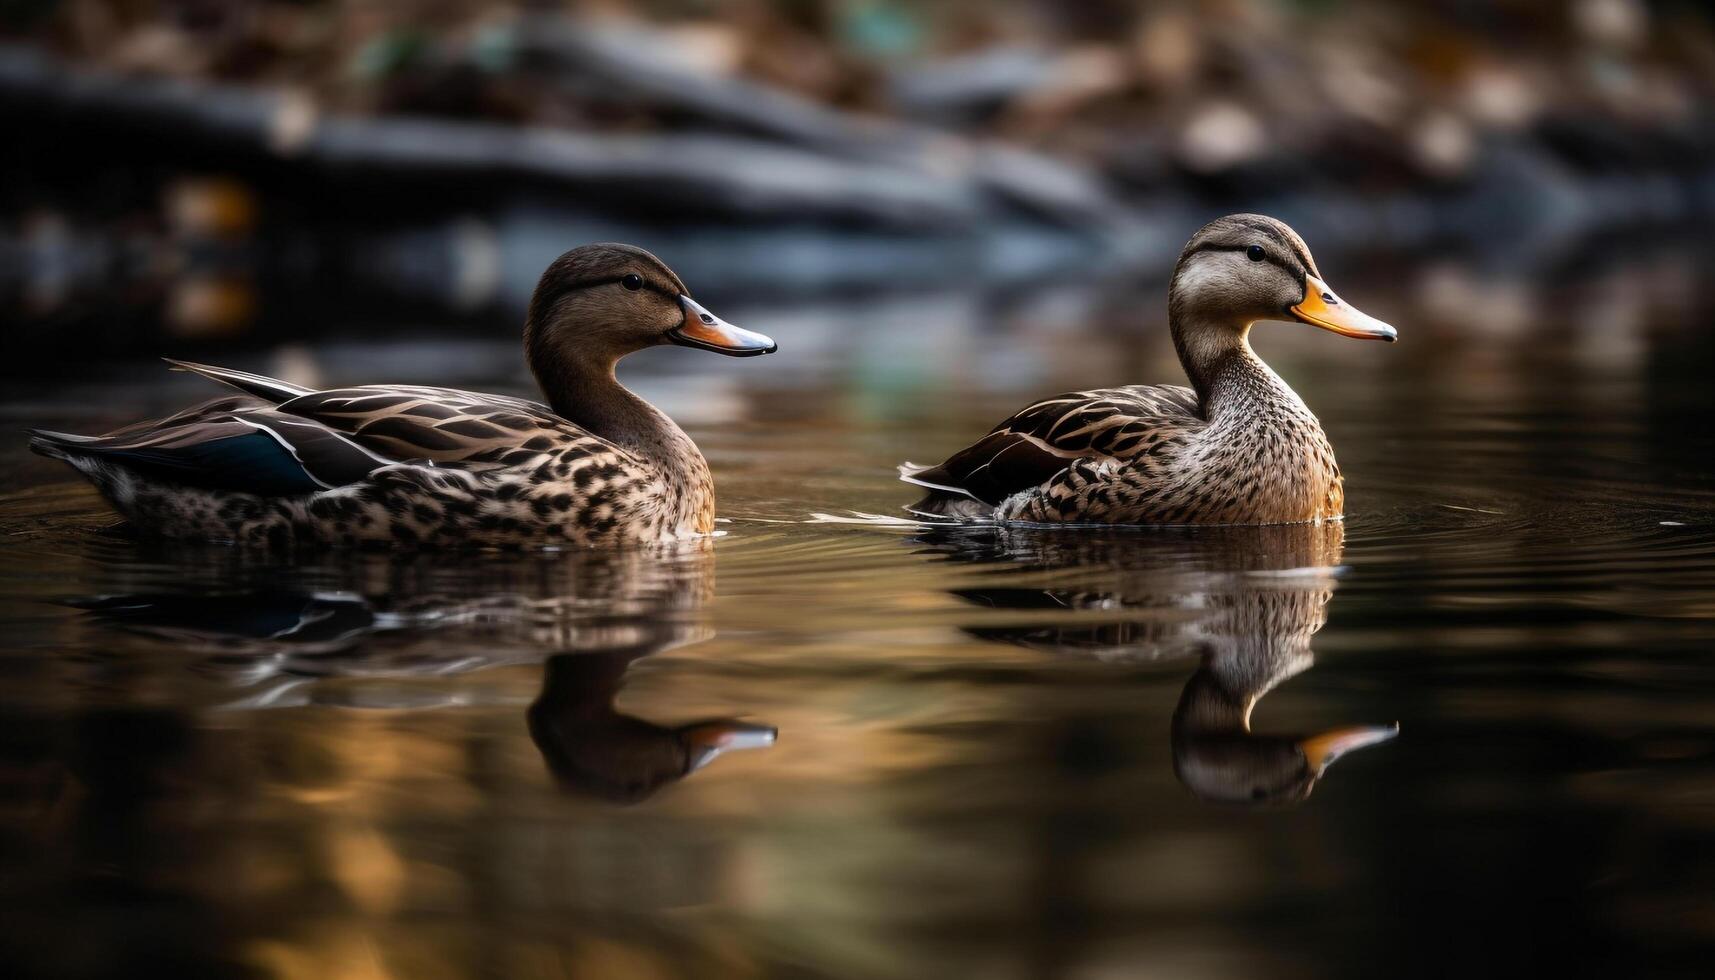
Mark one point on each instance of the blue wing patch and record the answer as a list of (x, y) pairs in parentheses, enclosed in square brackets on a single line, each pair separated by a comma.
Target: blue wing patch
[(254, 462)]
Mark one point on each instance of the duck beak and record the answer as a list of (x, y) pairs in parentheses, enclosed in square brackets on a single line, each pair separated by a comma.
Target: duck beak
[(1321, 308), (709, 332), (710, 739), (1320, 751)]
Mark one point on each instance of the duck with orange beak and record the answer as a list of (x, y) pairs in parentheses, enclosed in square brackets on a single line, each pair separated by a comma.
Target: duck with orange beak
[(1237, 447), (281, 465)]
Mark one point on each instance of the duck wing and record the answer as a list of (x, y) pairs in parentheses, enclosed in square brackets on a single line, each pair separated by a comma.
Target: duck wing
[(238, 443), (412, 422), (1033, 445), (281, 439), (442, 425)]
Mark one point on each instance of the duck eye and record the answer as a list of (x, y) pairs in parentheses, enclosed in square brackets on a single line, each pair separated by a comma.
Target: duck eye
[(1255, 253), (632, 282)]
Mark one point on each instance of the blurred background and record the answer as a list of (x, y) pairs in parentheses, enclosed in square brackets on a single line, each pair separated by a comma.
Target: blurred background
[(221, 763), (215, 173)]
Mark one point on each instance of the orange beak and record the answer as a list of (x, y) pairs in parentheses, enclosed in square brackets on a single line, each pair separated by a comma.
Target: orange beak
[(709, 332), (711, 738), (1321, 750), (1321, 308)]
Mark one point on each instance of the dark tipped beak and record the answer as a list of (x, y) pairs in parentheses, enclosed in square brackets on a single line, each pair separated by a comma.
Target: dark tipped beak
[(704, 330), (1321, 308)]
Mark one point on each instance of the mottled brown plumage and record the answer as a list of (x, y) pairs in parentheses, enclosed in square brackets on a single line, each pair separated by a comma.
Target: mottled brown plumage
[(1238, 447), (402, 464)]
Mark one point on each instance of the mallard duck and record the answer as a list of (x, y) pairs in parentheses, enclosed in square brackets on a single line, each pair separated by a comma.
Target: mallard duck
[(1237, 447), (282, 464)]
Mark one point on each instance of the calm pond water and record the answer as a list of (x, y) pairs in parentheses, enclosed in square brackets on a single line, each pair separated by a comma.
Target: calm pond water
[(999, 754)]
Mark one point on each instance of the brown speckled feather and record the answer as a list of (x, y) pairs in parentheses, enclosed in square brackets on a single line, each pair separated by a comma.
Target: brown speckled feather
[(1261, 458), (283, 464), (442, 425), (1237, 447), (1045, 438), (399, 464)]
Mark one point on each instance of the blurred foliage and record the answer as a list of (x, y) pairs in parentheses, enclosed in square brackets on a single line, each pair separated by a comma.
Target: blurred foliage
[(1214, 86), (1122, 124)]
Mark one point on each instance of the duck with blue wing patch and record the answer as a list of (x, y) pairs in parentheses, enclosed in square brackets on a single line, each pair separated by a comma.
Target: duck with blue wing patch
[(283, 465)]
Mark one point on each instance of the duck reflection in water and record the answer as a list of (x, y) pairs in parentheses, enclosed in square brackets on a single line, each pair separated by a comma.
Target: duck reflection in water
[(586, 617), (1244, 600), (593, 749)]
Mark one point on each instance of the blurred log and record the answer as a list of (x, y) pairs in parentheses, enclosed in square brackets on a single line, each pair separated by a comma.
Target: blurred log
[(635, 65), (700, 173), (970, 86), (632, 65)]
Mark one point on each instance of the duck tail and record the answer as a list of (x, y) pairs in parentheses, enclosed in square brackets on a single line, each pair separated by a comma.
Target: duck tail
[(952, 506), (943, 500), (56, 445), (269, 389), (929, 477)]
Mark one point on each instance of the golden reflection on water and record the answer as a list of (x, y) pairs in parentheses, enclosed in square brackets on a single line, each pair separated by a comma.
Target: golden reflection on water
[(995, 749), (1244, 601), (980, 731), (377, 774)]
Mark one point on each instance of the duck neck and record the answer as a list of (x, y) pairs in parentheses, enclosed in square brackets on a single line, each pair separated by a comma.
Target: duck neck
[(1237, 673), (582, 685), (589, 394), (1229, 378), (1208, 706)]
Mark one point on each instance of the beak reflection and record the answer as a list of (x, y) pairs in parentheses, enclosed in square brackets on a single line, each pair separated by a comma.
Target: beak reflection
[(1245, 600), (1320, 751)]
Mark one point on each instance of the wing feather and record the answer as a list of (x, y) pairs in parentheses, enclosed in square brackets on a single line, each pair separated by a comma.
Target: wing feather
[(279, 439), (1029, 448), (266, 388), (237, 443), (442, 425)]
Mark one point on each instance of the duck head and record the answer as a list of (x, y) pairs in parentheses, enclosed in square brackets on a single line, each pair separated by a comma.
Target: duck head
[(1247, 267), (593, 749), (598, 303), (1247, 600), (1228, 763)]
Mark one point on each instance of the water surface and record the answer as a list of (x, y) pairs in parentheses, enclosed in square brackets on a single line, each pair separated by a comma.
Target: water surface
[(999, 753)]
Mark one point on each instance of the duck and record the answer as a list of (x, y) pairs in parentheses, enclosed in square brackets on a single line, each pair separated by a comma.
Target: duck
[(1236, 447), (281, 465)]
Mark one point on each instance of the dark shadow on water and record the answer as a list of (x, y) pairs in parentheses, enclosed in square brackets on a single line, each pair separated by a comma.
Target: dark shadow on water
[(587, 618), (1244, 601), (593, 749)]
